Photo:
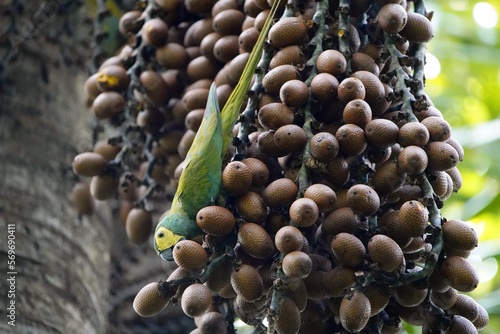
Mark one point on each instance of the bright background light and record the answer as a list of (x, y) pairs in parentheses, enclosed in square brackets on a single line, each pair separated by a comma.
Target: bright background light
[(432, 66), (485, 15)]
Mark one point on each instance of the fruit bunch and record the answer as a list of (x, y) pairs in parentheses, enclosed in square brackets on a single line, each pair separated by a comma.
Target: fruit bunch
[(329, 215)]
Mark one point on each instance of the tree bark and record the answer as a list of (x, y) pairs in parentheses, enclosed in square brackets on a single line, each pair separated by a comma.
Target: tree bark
[(61, 261)]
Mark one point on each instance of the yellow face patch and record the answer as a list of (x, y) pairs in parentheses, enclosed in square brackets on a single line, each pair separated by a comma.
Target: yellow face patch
[(165, 239)]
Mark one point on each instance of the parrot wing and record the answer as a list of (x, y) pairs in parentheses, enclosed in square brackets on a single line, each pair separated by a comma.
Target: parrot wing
[(201, 177)]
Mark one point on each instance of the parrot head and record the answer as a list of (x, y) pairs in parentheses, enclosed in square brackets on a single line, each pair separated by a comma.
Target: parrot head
[(164, 242)]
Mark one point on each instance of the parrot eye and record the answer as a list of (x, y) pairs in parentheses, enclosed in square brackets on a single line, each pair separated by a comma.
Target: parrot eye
[(160, 234)]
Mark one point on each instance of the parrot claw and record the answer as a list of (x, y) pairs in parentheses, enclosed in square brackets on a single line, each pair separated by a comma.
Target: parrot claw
[(167, 254)]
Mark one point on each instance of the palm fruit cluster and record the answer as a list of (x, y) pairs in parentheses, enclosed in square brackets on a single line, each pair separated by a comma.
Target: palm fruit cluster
[(329, 219)]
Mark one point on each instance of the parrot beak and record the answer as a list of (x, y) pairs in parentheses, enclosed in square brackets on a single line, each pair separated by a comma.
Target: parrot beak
[(167, 254)]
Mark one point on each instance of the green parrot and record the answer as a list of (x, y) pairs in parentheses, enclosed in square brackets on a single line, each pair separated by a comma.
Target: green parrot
[(201, 178)]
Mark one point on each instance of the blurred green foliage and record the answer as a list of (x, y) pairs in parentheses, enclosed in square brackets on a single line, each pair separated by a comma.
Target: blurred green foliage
[(466, 91)]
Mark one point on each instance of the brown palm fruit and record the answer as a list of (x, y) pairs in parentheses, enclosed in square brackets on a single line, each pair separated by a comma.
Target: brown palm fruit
[(381, 133), (450, 251), (456, 145), (185, 143), (320, 262), (461, 325), (392, 18), (337, 171), (337, 280), (416, 244), (363, 200), (108, 105), (91, 88), (247, 283), (442, 156), (459, 273), (297, 291), (237, 178), (413, 133), (194, 118), (324, 196), (274, 115), (413, 218), (355, 312), (375, 91), (445, 299), (352, 140), (385, 252), (155, 32), (219, 6), (413, 160), (331, 61), (247, 39), (196, 300), (290, 138), (439, 128), (363, 62), (89, 164), (221, 277), (418, 28), (190, 255), (260, 172), (288, 319), (379, 155), (112, 78), (157, 90), (138, 225), (103, 186), (255, 240), (199, 7), (226, 48), (340, 220), (294, 93), (437, 281), (315, 285), (465, 306), (150, 301), (297, 264), (348, 249), (196, 32), (324, 146), (391, 226), (267, 145), (228, 22), (377, 297), (412, 315), (482, 319), (275, 78), (249, 307), (82, 199), (357, 112), (208, 43), (303, 212), (408, 295), (260, 19), (456, 178), (172, 56), (212, 323), (234, 68), (351, 89), (324, 87), (395, 327), (289, 239), (288, 31), (459, 235), (290, 55), (280, 193), (251, 207), (202, 68), (388, 178), (129, 23)]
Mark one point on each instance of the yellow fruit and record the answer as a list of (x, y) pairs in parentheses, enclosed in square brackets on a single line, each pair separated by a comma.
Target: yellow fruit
[(255, 240), (355, 312), (196, 300), (149, 301)]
